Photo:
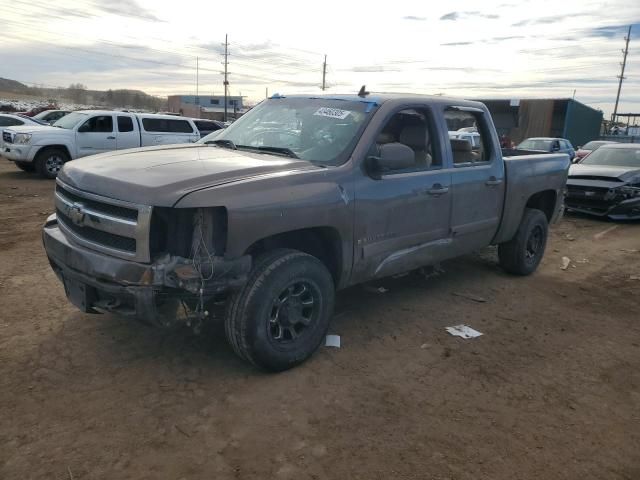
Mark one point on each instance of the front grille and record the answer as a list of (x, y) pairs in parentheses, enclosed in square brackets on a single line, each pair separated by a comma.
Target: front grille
[(115, 227), (113, 210), (98, 236), (6, 137)]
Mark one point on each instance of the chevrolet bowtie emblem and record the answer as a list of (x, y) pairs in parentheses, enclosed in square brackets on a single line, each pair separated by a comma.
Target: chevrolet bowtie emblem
[(76, 214)]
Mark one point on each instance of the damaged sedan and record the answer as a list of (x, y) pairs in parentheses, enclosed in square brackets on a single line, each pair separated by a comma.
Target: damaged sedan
[(606, 183)]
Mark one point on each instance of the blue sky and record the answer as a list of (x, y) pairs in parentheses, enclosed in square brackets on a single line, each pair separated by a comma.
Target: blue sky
[(493, 49)]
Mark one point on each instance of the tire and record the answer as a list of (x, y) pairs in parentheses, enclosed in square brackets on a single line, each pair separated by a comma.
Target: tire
[(281, 315), (25, 166), (522, 254), (50, 161)]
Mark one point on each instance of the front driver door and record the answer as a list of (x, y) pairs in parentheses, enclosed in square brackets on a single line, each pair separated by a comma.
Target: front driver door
[(96, 135), (402, 217)]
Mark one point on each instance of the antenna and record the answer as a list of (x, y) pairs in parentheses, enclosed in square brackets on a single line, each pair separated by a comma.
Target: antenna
[(363, 91)]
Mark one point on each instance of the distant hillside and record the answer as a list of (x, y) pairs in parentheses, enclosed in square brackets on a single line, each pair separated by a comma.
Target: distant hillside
[(78, 93), (7, 85)]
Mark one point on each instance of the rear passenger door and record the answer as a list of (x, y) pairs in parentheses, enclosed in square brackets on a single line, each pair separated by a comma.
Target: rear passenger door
[(96, 135), (477, 179), (128, 134)]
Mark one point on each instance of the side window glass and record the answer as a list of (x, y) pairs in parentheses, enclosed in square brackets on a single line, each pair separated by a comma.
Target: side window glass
[(474, 146), (99, 124), (125, 124), (412, 128)]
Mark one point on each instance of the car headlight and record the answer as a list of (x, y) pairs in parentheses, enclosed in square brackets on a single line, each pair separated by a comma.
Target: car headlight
[(630, 191), (22, 138)]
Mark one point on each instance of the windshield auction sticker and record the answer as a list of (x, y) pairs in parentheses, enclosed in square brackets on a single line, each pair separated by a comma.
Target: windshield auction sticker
[(332, 113)]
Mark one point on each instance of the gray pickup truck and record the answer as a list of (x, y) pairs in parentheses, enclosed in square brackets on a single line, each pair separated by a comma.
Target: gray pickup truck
[(302, 196)]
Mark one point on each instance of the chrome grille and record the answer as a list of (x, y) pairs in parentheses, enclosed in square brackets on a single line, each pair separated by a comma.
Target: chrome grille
[(104, 224), (6, 137)]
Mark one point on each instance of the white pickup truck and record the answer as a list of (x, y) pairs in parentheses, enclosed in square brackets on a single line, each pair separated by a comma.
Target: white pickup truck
[(45, 149)]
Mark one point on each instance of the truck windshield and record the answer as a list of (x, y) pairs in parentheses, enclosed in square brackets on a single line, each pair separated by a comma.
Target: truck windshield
[(614, 157), (69, 121), (319, 130)]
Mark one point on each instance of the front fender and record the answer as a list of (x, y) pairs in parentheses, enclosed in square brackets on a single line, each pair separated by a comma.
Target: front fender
[(264, 206)]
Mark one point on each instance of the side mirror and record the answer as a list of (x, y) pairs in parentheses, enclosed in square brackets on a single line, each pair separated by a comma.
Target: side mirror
[(578, 147), (83, 128), (392, 156), (555, 148)]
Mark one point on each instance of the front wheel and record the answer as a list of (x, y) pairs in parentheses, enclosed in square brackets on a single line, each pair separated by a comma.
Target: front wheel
[(522, 254), (50, 161), (281, 315)]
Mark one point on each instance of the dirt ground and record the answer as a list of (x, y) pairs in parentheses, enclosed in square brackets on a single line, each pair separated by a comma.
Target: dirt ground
[(550, 391)]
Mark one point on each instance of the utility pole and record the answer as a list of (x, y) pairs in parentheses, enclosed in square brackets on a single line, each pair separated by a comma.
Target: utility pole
[(198, 84), (266, 92), (226, 81), (621, 77), (324, 73)]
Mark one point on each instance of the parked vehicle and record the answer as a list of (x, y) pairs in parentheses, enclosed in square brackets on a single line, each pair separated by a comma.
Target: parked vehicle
[(606, 183), (36, 110), (352, 188), (89, 132), (589, 147), (205, 127), (14, 120), (51, 116), (472, 137), (550, 145)]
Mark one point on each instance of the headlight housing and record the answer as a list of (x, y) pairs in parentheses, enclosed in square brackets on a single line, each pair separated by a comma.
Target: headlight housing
[(22, 138), (630, 191)]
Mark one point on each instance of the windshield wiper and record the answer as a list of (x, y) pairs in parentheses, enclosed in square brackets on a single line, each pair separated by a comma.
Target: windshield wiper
[(277, 150), (224, 143)]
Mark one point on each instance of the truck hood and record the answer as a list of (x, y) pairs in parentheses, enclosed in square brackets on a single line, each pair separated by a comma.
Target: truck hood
[(162, 175), (603, 172), (36, 129)]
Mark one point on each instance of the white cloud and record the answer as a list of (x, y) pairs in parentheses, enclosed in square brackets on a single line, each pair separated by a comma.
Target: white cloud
[(492, 49)]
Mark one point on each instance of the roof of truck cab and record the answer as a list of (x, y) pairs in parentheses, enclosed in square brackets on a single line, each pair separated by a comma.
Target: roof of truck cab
[(380, 98)]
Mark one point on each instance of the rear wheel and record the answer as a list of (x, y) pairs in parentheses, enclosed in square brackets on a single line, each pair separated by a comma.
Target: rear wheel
[(50, 161), (281, 315), (522, 254), (25, 166)]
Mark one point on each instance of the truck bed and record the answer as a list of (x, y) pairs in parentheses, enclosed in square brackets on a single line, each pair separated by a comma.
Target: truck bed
[(527, 175)]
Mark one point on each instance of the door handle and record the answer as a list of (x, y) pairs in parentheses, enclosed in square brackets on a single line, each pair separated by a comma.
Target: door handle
[(492, 182), (111, 138), (437, 190)]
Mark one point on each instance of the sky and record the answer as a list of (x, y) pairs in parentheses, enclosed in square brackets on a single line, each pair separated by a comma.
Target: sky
[(490, 49)]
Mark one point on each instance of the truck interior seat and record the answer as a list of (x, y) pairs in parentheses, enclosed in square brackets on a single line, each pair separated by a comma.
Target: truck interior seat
[(416, 137), (462, 152)]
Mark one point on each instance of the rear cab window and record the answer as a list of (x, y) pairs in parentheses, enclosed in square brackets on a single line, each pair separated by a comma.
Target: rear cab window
[(125, 124), (166, 125), (473, 148)]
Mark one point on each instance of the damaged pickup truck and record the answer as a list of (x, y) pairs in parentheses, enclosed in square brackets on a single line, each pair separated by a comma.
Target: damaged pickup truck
[(300, 197)]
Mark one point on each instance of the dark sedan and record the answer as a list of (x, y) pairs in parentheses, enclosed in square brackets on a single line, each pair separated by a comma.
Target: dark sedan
[(606, 183)]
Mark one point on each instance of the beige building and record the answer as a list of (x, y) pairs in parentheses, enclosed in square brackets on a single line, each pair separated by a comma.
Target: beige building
[(206, 106)]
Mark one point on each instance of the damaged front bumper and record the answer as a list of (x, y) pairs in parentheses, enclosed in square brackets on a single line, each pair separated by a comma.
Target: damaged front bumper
[(96, 282), (628, 209)]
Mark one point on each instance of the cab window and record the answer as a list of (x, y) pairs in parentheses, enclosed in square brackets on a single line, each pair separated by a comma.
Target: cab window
[(98, 124), (412, 128), (472, 148)]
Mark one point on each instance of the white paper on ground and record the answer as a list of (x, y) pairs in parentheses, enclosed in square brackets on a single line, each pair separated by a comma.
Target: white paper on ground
[(463, 331), (332, 341)]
